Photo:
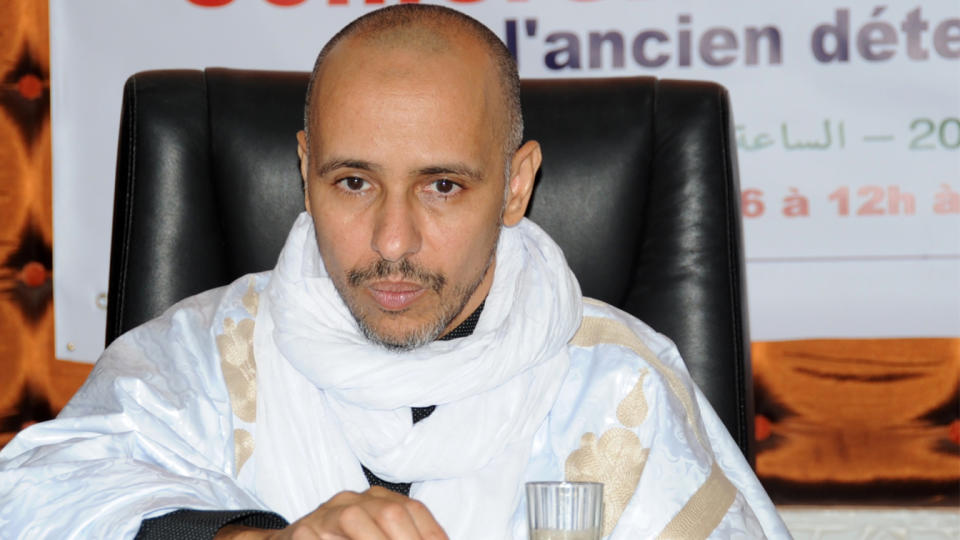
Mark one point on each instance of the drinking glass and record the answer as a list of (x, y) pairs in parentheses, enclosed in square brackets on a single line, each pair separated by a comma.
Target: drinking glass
[(565, 510)]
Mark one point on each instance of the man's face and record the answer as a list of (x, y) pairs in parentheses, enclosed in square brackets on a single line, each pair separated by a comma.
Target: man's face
[(405, 184)]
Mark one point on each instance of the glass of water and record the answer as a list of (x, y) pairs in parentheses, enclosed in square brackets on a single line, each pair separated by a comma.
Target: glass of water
[(565, 510)]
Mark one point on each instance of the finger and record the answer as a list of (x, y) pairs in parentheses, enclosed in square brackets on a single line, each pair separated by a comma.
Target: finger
[(310, 530), (423, 521), (357, 522), (392, 516), (384, 493), (342, 498), (329, 520)]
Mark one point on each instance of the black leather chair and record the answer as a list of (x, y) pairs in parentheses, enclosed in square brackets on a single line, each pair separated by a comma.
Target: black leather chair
[(639, 186)]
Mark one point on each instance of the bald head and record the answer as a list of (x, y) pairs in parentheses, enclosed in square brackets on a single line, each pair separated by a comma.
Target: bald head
[(430, 30), (413, 167)]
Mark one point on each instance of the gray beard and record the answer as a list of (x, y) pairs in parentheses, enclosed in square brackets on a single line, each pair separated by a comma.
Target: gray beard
[(418, 338), (429, 332)]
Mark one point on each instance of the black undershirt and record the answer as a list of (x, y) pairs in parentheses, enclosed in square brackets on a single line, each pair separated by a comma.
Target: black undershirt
[(190, 524)]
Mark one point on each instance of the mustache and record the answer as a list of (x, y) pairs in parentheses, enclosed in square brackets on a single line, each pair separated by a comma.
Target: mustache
[(405, 269)]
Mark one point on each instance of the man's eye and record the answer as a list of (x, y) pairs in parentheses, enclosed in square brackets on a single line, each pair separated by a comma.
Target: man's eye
[(354, 183), (445, 186)]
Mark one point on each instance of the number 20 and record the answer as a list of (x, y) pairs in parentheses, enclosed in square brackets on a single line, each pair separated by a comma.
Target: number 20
[(947, 134)]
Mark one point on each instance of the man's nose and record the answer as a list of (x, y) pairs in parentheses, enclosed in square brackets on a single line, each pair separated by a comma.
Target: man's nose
[(396, 233)]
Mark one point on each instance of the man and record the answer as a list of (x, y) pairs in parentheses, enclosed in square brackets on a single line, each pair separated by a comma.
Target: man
[(416, 333)]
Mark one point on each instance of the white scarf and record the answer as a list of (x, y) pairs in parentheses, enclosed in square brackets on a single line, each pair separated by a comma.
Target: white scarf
[(329, 400)]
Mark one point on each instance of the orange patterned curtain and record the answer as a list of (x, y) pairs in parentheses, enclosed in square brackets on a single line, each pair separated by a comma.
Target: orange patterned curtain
[(865, 421), (33, 385)]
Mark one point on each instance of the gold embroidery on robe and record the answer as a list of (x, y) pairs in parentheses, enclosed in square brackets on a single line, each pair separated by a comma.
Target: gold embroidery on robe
[(632, 411), (597, 330), (239, 370), (704, 510), (616, 460), (251, 300), (242, 447)]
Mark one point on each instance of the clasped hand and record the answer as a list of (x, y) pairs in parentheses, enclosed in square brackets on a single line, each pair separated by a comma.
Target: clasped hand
[(375, 514)]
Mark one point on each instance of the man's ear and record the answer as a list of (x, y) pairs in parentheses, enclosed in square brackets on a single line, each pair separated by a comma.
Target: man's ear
[(523, 172), (304, 166)]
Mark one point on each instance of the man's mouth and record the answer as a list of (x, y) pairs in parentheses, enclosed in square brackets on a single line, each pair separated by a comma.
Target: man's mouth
[(395, 295)]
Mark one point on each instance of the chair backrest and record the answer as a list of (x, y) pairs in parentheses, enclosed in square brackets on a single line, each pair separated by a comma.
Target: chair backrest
[(639, 186)]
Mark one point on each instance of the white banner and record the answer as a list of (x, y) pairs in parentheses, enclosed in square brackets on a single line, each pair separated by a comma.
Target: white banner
[(847, 113)]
